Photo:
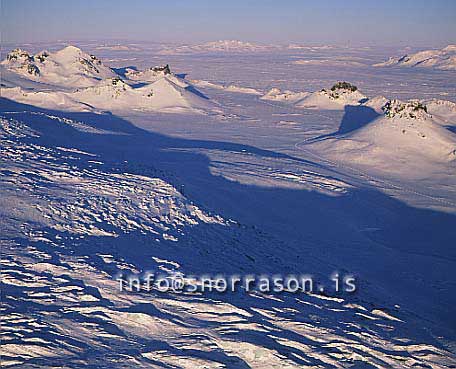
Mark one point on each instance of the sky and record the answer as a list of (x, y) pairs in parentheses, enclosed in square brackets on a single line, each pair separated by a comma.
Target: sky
[(368, 22)]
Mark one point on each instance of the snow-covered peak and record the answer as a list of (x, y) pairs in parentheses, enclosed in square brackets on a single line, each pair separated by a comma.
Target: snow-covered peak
[(164, 69), (69, 51), (337, 97), (17, 56), (376, 103), (151, 74), (344, 86), (405, 135), (83, 83), (69, 67), (114, 86), (346, 93), (72, 56), (412, 109), (41, 56), (23, 62), (444, 59)]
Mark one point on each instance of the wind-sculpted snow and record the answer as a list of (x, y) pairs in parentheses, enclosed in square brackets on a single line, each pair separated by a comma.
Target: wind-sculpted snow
[(96, 183), (93, 194), (81, 217)]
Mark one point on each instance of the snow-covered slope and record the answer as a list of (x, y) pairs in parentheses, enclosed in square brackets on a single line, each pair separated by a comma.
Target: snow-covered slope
[(166, 94), (81, 83), (376, 103), (269, 189), (275, 94), (113, 94), (443, 109), (229, 87), (58, 100), (69, 67), (406, 135), (333, 62), (119, 47), (171, 94), (81, 206), (336, 98), (444, 59), (151, 74)]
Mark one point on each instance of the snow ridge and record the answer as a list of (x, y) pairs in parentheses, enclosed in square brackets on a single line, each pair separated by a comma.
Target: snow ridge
[(69, 67), (444, 59), (81, 82)]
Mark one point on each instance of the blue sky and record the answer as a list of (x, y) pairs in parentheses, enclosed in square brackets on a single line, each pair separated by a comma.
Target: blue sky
[(385, 22)]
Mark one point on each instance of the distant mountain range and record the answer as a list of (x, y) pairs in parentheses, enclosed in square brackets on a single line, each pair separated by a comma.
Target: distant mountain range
[(444, 59), (231, 46)]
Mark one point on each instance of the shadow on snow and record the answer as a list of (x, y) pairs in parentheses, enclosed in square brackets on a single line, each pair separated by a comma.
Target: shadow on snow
[(296, 231)]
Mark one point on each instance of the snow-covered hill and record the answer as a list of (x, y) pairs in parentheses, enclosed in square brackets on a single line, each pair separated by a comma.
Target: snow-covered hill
[(81, 205), (229, 87), (69, 67), (151, 74), (443, 109), (376, 103), (96, 183), (335, 98), (82, 83), (444, 59), (406, 135), (113, 94)]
